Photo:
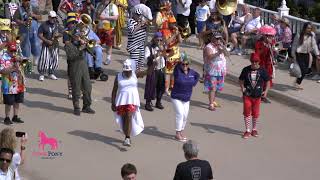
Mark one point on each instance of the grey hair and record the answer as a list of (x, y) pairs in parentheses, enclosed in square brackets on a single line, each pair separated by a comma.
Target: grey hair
[(190, 149)]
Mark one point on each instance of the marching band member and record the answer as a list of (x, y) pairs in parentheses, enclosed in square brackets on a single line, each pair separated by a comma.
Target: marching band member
[(49, 32), (13, 82), (122, 8), (136, 38), (78, 6), (77, 68), (252, 80), (155, 80), (107, 13), (125, 101), (214, 67), (264, 48), (166, 23), (27, 17), (70, 26)]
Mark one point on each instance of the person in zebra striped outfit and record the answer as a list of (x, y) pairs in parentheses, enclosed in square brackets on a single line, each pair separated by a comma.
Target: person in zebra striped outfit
[(136, 38), (49, 57)]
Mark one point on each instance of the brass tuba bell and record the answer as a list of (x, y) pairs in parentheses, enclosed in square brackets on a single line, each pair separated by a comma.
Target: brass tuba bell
[(85, 19), (226, 7)]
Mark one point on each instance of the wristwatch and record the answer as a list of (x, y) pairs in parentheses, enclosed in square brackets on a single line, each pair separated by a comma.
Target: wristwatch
[(23, 148)]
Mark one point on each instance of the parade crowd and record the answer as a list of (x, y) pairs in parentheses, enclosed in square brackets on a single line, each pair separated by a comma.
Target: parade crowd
[(88, 29)]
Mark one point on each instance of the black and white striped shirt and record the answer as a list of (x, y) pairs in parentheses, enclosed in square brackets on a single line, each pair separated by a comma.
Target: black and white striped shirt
[(137, 38)]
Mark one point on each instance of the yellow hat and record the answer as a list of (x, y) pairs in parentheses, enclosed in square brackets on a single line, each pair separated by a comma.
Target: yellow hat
[(5, 25)]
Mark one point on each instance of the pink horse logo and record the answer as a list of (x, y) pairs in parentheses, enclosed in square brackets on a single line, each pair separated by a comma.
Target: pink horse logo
[(44, 140)]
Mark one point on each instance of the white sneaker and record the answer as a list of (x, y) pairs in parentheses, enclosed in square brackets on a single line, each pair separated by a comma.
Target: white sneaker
[(52, 76), (127, 142), (41, 78), (316, 77), (107, 62)]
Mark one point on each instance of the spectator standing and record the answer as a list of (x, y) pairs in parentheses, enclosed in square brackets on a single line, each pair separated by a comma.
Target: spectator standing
[(13, 83), (192, 15), (304, 44), (215, 23), (252, 80), (202, 14), (128, 172), (193, 168), (286, 33), (8, 140), (185, 79), (6, 172)]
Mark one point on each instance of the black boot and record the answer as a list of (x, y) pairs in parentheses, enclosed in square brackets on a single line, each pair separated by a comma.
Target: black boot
[(16, 119), (159, 105), (88, 110), (76, 112), (7, 121), (148, 106), (91, 73)]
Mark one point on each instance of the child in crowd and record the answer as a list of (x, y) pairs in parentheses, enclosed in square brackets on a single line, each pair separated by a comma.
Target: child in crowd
[(202, 14)]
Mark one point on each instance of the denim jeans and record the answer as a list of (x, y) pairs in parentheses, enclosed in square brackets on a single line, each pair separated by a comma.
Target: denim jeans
[(30, 42), (96, 63)]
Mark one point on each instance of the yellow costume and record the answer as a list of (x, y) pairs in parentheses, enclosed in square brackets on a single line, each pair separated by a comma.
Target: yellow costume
[(121, 20)]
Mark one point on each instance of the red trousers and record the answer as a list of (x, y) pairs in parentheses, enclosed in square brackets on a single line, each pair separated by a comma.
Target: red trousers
[(251, 107)]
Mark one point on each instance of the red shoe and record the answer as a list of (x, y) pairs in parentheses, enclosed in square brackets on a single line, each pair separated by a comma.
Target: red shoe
[(254, 133), (246, 135)]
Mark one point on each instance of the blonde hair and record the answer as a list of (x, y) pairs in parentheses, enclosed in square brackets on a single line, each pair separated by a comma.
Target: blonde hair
[(8, 139)]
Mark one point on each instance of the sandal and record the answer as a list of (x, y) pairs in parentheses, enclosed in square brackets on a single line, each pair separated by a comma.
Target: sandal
[(216, 104), (211, 107)]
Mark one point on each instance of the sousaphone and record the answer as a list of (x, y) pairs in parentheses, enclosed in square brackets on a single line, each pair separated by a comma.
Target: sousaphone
[(226, 7)]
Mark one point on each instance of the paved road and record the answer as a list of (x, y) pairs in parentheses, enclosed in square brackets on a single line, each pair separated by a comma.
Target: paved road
[(92, 148)]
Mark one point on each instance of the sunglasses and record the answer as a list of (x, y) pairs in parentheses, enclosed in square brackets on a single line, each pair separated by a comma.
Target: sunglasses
[(5, 160), (185, 64)]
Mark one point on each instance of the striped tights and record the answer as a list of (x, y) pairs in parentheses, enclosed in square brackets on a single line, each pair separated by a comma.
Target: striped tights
[(138, 56), (247, 121), (48, 60)]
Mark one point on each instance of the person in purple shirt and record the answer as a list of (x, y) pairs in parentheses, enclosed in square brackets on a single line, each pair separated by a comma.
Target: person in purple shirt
[(184, 80)]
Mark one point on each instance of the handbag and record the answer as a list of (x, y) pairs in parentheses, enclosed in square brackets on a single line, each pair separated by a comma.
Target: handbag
[(295, 70)]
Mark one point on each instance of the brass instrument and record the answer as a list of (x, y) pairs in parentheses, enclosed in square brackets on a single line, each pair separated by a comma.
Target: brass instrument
[(184, 31), (229, 46), (226, 7), (278, 46)]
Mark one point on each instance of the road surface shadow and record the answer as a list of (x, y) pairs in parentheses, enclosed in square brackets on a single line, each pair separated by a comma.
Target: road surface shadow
[(46, 105), (60, 73), (282, 87), (153, 131), (229, 97), (192, 102), (98, 137), (46, 92), (213, 128)]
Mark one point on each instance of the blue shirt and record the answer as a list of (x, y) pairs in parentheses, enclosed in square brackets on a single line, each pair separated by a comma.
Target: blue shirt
[(183, 83)]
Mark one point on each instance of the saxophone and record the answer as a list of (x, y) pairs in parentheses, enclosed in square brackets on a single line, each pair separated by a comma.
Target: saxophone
[(29, 17)]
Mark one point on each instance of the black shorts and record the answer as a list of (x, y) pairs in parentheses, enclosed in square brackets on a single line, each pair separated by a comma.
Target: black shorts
[(10, 99)]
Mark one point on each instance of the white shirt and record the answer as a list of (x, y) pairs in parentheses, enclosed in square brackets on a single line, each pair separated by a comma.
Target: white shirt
[(16, 161), (202, 13), (252, 24), (6, 176), (183, 8), (160, 60), (110, 10), (212, 4), (146, 11)]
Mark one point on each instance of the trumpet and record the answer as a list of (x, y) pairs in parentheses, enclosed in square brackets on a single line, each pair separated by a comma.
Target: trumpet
[(278, 46)]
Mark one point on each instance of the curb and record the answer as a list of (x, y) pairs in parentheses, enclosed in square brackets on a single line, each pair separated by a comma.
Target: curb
[(277, 96)]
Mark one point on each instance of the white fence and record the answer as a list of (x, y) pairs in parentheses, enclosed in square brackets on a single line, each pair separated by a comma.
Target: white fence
[(295, 22)]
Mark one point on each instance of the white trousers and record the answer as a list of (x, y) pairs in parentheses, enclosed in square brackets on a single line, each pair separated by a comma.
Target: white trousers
[(182, 109)]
